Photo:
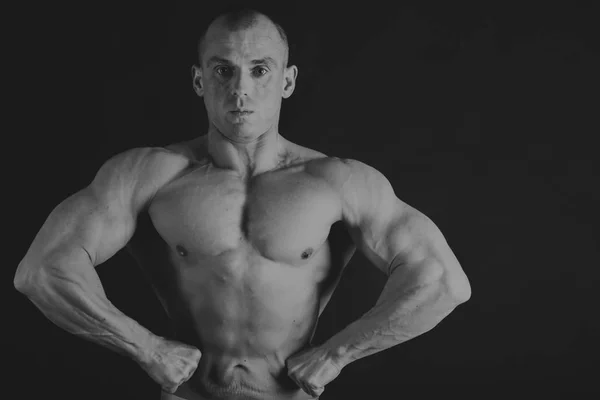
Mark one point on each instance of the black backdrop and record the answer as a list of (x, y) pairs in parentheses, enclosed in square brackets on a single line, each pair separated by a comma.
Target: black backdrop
[(483, 117)]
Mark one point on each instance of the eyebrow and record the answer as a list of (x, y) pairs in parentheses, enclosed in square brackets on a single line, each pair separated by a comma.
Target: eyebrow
[(217, 60), (264, 60), (220, 60)]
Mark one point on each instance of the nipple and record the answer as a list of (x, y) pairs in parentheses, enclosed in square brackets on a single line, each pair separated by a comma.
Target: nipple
[(307, 253), (181, 250)]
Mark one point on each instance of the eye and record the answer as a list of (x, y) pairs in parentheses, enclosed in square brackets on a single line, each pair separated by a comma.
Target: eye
[(259, 71), (223, 71)]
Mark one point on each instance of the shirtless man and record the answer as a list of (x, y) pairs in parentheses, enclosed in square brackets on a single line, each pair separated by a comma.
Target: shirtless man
[(250, 242)]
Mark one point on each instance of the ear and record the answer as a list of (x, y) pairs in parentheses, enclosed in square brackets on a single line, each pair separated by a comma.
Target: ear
[(289, 80), (197, 80)]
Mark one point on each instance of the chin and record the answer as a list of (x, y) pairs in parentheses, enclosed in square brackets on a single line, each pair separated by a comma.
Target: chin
[(243, 132)]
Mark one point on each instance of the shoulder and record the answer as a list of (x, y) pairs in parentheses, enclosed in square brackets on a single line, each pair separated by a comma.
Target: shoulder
[(364, 191), (143, 162), (347, 173), (137, 173)]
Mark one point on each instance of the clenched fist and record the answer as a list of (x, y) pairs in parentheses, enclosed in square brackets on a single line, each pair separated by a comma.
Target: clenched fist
[(171, 363), (312, 369)]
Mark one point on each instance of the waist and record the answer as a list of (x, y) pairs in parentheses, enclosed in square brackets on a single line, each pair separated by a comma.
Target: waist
[(186, 393), (226, 377)]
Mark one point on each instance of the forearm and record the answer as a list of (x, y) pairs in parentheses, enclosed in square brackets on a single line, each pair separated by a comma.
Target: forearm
[(73, 299), (402, 312)]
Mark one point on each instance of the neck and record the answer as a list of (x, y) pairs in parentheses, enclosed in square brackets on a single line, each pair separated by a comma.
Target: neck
[(247, 157)]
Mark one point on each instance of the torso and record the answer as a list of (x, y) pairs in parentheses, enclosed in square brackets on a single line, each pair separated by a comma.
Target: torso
[(244, 267)]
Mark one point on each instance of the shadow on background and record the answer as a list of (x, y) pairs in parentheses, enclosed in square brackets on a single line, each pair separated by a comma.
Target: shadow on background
[(482, 117)]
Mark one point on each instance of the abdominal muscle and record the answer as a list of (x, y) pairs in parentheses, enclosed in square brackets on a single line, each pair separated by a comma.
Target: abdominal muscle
[(246, 317)]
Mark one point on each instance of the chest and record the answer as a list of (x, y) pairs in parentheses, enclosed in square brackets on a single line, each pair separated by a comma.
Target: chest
[(285, 216)]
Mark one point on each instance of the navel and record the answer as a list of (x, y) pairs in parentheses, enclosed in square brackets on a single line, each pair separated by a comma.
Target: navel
[(181, 250), (307, 253)]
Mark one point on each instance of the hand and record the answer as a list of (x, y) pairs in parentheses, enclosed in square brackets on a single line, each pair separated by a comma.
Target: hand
[(312, 369), (171, 363)]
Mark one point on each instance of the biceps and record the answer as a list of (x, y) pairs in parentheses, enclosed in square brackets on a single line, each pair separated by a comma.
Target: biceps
[(104, 233), (420, 249), (396, 238), (82, 228), (409, 238)]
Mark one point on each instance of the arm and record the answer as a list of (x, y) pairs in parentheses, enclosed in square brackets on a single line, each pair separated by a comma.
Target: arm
[(425, 280), (57, 273)]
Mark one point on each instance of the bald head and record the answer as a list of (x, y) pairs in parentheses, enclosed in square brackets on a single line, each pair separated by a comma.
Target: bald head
[(239, 20)]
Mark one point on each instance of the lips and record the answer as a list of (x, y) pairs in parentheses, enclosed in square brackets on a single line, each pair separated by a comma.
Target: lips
[(241, 112)]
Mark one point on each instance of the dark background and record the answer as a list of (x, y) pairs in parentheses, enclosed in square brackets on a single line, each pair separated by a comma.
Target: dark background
[(482, 116)]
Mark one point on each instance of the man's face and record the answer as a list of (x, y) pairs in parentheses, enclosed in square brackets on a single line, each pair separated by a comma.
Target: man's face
[(243, 79)]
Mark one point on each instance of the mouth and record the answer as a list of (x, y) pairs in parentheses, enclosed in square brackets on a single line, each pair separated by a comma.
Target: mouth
[(241, 112)]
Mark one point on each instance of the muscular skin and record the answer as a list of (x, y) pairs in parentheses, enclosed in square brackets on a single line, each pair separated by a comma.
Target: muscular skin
[(244, 269), (244, 236)]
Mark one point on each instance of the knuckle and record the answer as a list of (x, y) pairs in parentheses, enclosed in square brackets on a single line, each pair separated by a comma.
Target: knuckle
[(169, 389)]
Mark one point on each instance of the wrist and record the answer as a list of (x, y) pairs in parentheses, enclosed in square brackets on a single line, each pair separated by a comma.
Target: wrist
[(337, 352), (147, 351)]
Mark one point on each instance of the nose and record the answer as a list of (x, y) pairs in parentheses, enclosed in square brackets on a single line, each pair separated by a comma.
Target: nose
[(241, 85)]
